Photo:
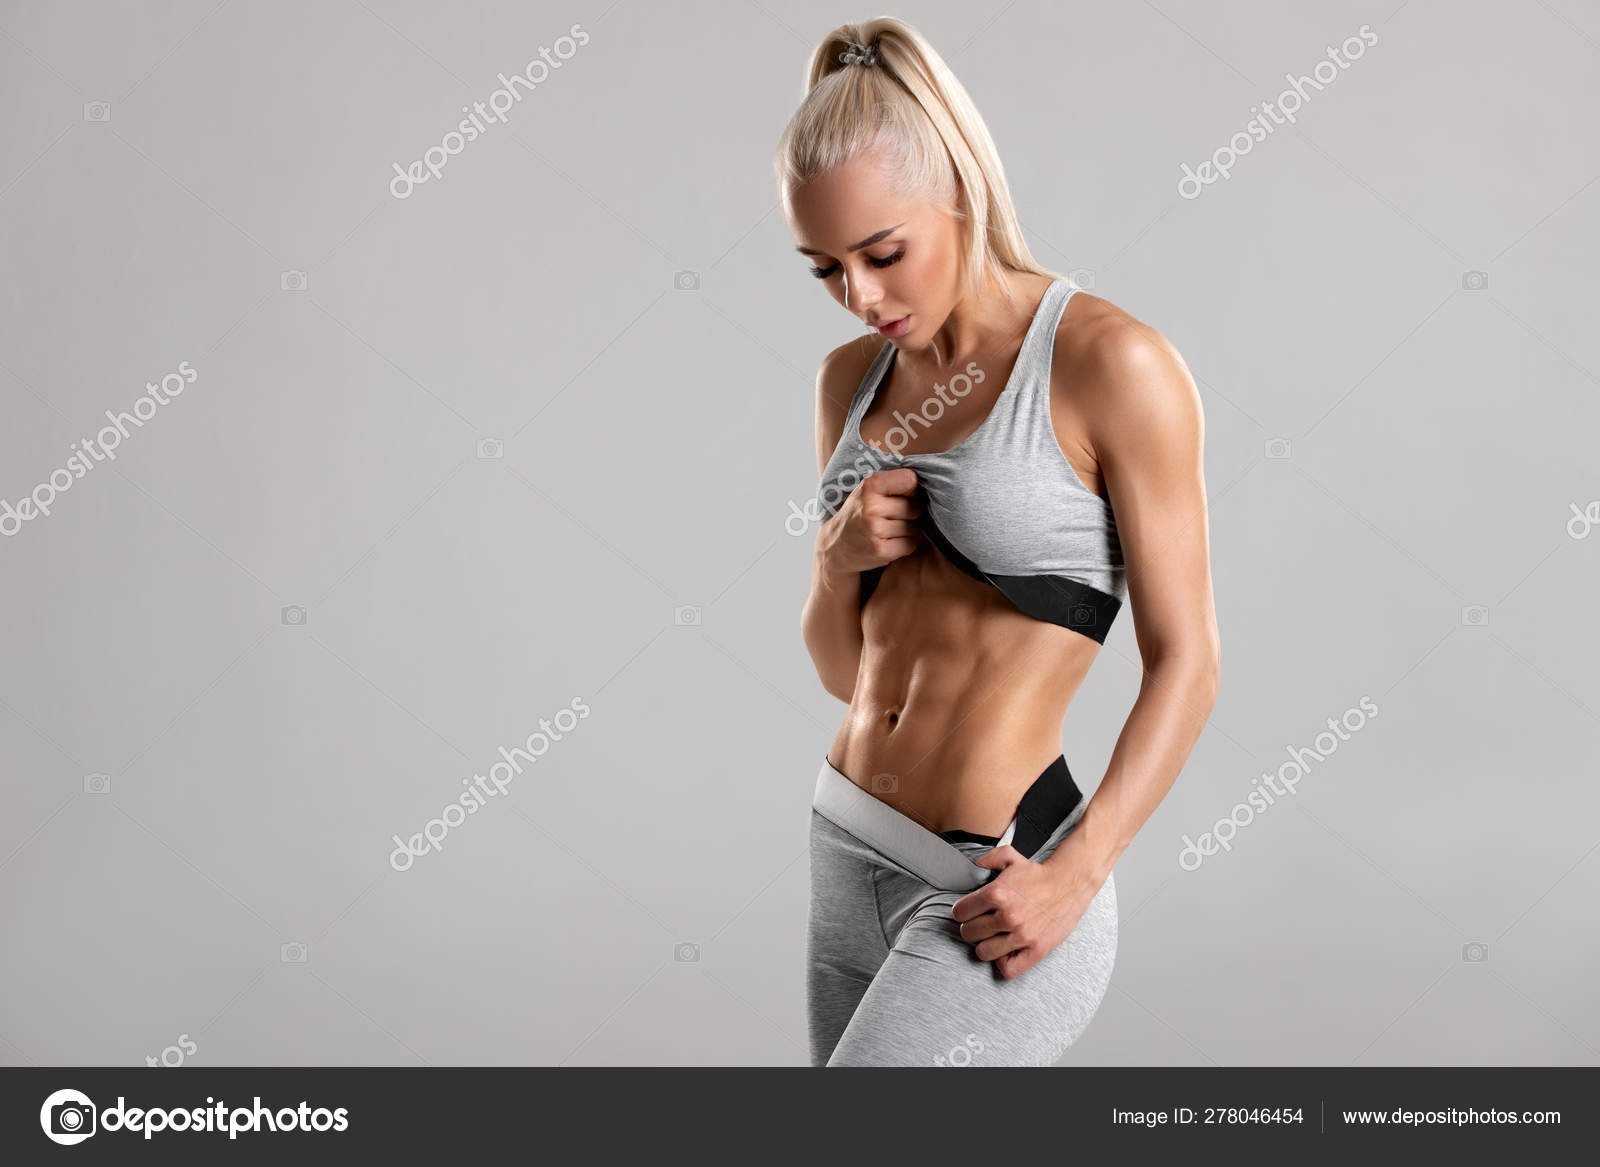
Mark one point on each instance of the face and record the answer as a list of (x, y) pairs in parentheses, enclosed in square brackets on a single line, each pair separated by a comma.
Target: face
[(910, 270)]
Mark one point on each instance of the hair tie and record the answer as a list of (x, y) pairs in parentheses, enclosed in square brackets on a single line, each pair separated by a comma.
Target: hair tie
[(859, 55)]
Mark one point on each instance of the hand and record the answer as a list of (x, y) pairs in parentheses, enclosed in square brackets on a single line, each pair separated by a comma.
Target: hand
[(876, 524), (1025, 911)]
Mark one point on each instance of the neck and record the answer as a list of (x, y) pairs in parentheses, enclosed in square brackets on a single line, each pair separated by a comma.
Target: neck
[(991, 325)]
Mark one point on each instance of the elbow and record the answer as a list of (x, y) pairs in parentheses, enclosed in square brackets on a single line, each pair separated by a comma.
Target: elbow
[(1210, 683), (1200, 685), (832, 683), (835, 687), (837, 683), (1208, 675), (1196, 672), (1203, 664), (1203, 667)]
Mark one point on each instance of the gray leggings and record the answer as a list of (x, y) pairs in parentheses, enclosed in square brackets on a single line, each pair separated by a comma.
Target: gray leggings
[(890, 981)]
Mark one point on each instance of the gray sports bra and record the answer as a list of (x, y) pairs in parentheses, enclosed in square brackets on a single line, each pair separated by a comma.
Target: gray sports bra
[(1004, 505)]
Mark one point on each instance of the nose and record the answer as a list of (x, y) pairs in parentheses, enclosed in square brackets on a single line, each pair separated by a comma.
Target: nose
[(861, 293)]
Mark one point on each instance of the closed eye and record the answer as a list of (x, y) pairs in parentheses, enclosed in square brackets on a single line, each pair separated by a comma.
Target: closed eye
[(823, 273)]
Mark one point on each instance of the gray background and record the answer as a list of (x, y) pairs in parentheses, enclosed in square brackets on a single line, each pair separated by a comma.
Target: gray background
[(653, 436)]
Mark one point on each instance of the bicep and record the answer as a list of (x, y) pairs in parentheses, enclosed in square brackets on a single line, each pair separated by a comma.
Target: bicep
[(835, 390), (1150, 437)]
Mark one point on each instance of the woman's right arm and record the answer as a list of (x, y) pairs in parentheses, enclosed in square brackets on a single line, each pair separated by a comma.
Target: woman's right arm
[(831, 620), (831, 625), (872, 527)]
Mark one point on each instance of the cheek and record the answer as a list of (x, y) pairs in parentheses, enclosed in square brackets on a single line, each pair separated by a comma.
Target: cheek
[(927, 269)]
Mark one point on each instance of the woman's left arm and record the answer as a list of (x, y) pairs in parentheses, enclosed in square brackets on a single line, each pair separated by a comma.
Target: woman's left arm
[(1145, 423)]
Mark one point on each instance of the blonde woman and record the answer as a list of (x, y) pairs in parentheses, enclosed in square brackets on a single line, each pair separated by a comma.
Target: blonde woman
[(1005, 460)]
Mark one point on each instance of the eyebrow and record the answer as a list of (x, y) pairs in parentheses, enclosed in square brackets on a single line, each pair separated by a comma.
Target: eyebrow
[(867, 242)]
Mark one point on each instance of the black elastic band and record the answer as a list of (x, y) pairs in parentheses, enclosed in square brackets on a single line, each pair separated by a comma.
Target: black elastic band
[(1055, 599), (1044, 807), (956, 835)]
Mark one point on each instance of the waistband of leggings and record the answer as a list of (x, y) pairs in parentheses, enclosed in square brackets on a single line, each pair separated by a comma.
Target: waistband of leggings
[(1052, 797), (1051, 806)]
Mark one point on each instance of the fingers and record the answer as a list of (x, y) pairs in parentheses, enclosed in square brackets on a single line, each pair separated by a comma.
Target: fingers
[(895, 506), (982, 927), (895, 528), (902, 481), (1014, 964), (973, 905), (900, 548), (1001, 948)]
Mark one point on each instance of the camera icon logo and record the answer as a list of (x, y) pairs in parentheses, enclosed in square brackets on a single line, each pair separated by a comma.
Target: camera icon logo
[(1082, 615), (1277, 447), (1083, 277), (1475, 952), (490, 448), (1474, 281), (293, 615), (686, 281), (97, 111), (885, 783), (97, 784), (685, 953), (68, 1117), (1475, 615), (293, 952), (686, 616), (292, 281)]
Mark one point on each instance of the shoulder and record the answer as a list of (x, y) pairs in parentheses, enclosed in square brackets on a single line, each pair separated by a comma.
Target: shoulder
[(838, 378), (842, 370), (1127, 381)]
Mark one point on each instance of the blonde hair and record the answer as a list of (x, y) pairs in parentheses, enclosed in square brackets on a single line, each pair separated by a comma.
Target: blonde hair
[(910, 107)]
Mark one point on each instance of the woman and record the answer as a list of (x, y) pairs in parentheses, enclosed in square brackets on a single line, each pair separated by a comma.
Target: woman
[(1003, 464)]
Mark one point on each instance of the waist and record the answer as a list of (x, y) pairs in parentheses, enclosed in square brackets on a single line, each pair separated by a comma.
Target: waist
[(952, 751), (1051, 806), (959, 695)]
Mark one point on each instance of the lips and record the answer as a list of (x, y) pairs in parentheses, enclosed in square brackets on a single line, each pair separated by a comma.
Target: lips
[(893, 328)]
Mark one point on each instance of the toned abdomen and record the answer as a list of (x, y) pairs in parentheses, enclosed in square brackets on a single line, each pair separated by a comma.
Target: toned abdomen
[(959, 700)]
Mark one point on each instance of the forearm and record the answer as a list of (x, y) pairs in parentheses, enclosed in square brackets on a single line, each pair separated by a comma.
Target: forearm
[(1175, 699), (831, 627)]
